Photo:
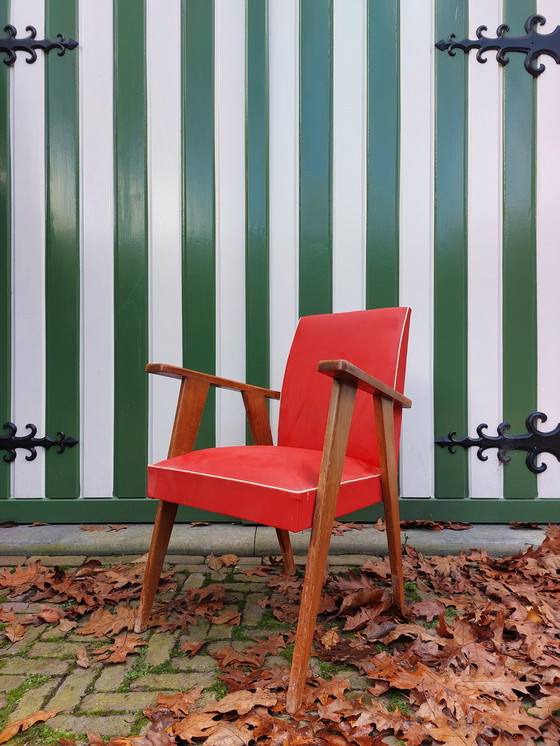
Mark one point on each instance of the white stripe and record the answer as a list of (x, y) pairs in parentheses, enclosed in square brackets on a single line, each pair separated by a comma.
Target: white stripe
[(416, 249), (230, 214), (283, 185), (96, 200), (485, 252), (28, 248), (548, 256), (164, 198), (349, 154)]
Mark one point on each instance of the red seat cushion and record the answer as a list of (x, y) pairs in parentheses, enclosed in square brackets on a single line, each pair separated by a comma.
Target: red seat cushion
[(273, 485)]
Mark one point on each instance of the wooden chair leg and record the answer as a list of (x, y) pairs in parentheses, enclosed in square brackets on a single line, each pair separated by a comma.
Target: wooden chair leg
[(286, 549), (334, 451), (389, 486), (163, 526)]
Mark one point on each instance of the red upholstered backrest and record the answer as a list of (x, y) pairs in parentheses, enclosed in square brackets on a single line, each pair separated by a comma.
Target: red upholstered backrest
[(376, 341)]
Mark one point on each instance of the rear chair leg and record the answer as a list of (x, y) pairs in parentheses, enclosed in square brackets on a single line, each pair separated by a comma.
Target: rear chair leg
[(163, 526), (286, 549)]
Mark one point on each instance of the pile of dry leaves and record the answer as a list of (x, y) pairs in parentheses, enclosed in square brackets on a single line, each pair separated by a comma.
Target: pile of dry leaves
[(476, 658)]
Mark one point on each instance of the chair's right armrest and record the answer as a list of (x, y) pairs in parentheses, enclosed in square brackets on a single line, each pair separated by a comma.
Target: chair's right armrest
[(344, 370), (174, 371)]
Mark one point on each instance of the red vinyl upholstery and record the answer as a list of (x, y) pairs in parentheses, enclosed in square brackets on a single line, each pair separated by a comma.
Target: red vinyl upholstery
[(276, 485)]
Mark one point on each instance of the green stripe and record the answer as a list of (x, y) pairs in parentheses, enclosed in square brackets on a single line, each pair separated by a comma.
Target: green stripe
[(450, 252), (62, 478), (315, 231), (382, 236), (131, 270), (257, 246), (5, 256), (519, 253), (199, 242)]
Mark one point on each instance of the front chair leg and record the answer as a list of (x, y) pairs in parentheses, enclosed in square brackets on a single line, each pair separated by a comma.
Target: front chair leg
[(388, 462), (163, 526)]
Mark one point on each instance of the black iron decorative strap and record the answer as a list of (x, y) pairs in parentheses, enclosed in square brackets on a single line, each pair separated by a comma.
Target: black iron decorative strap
[(12, 441), (534, 442), (533, 44), (10, 44)]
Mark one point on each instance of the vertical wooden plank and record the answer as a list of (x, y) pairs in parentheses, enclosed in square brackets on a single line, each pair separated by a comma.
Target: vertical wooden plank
[(131, 279), (519, 264), (28, 250), (349, 154), (199, 262), (229, 82), (62, 477), (256, 196), (382, 271), (450, 251), (416, 243), (485, 251), (97, 207), (548, 256), (165, 221), (315, 230), (5, 257), (283, 185)]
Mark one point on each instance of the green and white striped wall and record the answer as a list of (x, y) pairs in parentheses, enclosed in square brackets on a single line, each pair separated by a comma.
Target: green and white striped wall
[(197, 174)]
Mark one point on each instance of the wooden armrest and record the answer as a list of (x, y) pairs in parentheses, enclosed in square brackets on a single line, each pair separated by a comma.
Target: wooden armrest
[(344, 370), (174, 371)]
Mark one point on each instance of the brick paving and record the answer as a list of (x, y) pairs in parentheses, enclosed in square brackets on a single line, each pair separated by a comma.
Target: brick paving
[(40, 671)]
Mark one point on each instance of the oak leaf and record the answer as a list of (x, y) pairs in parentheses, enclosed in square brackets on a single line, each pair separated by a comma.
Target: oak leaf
[(191, 647), (91, 528), (117, 652), (330, 638), (15, 632), (82, 659), (229, 560), (182, 702), (241, 702), (117, 526), (40, 716)]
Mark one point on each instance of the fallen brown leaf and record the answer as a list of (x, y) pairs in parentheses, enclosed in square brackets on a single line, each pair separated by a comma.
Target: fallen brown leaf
[(82, 659), (229, 560), (215, 563), (91, 528), (191, 647), (117, 652), (15, 632), (117, 526), (40, 716)]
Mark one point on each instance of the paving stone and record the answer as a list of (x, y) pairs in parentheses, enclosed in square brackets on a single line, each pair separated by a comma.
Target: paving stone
[(112, 676), (238, 645), (275, 661), (115, 559), (356, 560), (219, 632), (28, 666), (33, 699), (195, 580), (7, 683), (106, 725), (197, 632), (3, 700), (250, 561), (190, 567), (187, 559), (12, 560), (123, 701), (242, 577), (69, 560), (159, 648), (245, 587), (19, 607), (252, 613), (202, 663), (72, 689), (175, 681), (63, 649)]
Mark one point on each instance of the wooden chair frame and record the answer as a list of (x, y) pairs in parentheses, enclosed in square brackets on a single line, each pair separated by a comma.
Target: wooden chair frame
[(347, 379)]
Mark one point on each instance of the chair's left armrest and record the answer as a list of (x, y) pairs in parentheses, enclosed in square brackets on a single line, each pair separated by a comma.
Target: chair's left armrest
[(343, 370), (174, 371)]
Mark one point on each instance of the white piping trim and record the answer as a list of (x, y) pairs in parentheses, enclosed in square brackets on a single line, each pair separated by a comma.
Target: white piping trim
[(258, 484), (400, 348)]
